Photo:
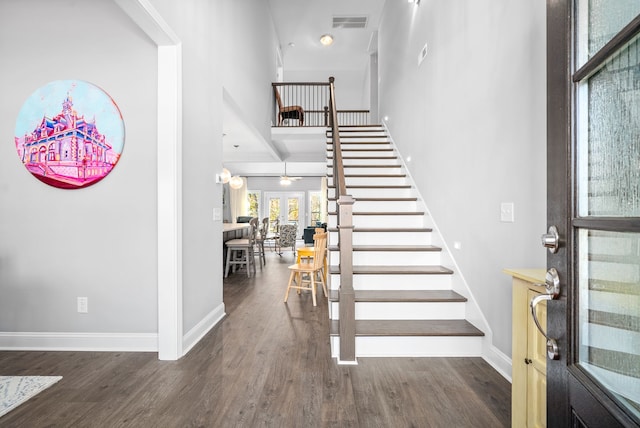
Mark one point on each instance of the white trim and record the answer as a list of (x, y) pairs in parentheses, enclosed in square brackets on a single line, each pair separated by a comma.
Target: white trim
[(169, 203), (169, 178), (104, 342), (499, 361), (194, 335)]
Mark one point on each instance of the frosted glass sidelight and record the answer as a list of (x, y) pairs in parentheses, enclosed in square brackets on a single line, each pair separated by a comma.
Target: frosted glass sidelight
[(609, 138), (602, 20), (609, 311)]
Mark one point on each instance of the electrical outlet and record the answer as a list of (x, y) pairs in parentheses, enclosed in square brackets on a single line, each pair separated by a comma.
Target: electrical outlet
[(83, 305), (507, 212)]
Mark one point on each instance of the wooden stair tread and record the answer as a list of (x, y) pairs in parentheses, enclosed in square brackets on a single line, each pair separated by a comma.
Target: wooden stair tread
[(368, 166), (365, 157), (344, 143), (330, 149), (411, 328), (371, 186), (407, 248), (387, 229), (383, 213), (371, 175), (395, 270), (381, 199), (402, 296)]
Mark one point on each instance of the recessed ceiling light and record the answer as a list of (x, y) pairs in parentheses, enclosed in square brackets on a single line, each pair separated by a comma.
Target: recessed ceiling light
[(326, 39)]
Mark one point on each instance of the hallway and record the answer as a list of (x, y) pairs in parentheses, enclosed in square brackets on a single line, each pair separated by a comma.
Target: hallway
[(266, 364)]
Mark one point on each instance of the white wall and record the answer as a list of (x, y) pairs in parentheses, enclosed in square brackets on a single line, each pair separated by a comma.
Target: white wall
[(352, 92), (472, 119), (98, 242), (249, 47), (101, 242), (198, 26)]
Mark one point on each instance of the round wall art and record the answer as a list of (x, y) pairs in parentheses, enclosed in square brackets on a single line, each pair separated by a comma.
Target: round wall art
[(69, 134)]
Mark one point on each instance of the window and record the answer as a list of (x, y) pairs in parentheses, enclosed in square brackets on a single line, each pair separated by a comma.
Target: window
[(253, 203), (315, 202)]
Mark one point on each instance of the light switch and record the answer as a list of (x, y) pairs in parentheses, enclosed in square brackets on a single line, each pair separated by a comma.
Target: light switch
[(506, 212), (217, 214)]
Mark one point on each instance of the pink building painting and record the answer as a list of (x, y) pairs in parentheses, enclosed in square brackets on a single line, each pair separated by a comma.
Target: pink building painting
[(66, 150)]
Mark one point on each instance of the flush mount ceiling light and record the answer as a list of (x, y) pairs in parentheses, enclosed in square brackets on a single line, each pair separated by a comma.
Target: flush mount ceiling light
[(326, 39), (414, 1)]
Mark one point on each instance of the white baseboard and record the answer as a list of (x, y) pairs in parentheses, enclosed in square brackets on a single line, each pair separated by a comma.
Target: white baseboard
[(194, 335), (104, 342), (498, 360)]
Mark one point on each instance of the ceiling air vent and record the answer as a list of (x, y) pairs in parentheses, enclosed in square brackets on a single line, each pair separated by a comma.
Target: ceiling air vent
[(349, 21)]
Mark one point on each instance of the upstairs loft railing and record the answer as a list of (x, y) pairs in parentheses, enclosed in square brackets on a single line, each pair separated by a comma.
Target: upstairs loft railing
[(345, 239), (307, 104)]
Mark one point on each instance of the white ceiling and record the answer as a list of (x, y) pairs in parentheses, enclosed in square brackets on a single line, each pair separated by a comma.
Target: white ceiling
[(299, 25)]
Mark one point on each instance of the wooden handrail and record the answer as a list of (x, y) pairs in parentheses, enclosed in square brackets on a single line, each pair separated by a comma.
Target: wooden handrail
[(345, 239)]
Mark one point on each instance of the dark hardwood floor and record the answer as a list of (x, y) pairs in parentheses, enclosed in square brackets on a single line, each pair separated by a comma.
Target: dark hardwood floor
[(267, 364)]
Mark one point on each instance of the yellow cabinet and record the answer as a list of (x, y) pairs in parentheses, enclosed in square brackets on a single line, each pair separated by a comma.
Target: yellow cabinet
[(528, 352)]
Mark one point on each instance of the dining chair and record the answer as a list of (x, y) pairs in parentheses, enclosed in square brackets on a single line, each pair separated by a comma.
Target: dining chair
[(275, 236), (312, 270), (261, 236), (308, 252), (241, 252)]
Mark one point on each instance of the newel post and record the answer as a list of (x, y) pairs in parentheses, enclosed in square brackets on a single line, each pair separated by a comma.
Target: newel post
[(347, 295)]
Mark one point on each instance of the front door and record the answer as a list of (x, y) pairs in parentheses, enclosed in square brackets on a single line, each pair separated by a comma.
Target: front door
[(593, 180), (287, 207)]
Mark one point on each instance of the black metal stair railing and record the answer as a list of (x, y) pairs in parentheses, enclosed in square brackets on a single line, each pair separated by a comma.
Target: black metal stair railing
[(306, 104)]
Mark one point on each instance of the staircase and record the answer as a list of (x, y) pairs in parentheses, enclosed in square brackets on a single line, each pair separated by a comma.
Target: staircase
[(405, 304)]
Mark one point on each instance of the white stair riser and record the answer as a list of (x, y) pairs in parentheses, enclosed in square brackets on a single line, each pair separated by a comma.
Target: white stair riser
[(404, 310), (383, 220), (390, 170), (387, 180), (389, 238), (379, 161), (347, 152), (390, 258), (376, 193), (346, 145), (384, 206), (360, 134), (395, 282), (413, 346)]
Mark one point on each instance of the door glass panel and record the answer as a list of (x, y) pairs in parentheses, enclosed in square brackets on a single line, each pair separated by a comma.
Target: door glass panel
[(602, 20), (609, 138), (609, 312), (274, 213), (293, 215)]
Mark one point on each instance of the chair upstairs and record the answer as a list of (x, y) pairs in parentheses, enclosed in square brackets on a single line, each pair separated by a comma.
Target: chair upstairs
[(313, 270), (288, 112)]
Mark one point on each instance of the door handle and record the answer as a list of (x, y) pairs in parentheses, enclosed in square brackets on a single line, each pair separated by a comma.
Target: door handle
[(552, 287), (551, 240)]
